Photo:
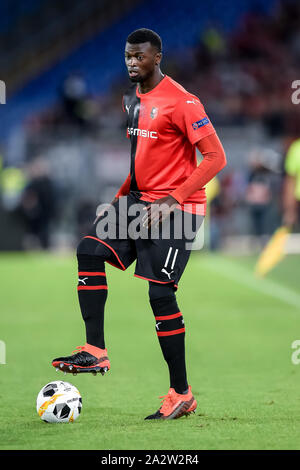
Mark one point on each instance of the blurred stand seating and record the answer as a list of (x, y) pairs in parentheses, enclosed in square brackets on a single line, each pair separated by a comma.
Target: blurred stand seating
[(38, 204), (35, 34)]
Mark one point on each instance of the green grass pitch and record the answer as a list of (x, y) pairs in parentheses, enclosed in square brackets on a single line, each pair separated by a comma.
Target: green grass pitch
[(239, 332)]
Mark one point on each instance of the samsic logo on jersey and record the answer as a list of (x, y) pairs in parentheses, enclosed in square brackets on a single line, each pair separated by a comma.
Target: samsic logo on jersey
[(200, 123), (142, 133)]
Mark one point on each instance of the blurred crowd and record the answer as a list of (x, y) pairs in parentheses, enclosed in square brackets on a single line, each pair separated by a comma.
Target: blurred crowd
[(244, 79), (243, 76), (248, 75)]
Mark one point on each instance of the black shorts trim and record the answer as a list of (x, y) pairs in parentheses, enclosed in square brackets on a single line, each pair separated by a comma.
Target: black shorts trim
[(155, 280), (121, 265)]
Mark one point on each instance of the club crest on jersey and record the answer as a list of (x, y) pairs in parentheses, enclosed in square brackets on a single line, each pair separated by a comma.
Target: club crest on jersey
[(200, 123), (154, 112)]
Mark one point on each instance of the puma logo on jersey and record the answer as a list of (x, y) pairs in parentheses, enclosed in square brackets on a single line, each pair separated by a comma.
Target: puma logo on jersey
[(82, 280), (192, 102), (166, 272)]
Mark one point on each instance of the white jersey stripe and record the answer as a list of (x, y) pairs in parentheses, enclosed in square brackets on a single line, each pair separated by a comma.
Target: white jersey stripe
[(168, 257), (174, 259)]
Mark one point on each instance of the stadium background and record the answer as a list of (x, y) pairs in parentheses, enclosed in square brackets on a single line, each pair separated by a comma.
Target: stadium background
[(63, 152)]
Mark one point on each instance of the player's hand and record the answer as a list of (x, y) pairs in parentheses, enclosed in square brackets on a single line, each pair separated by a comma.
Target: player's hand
[(115, 199), (158, 211), (101, 212)]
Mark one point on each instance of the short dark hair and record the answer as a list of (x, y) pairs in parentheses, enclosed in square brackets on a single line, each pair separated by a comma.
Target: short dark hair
[(145, 35)]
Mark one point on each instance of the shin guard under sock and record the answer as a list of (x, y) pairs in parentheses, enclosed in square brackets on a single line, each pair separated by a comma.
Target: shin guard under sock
[(92, 295), (171, 333)]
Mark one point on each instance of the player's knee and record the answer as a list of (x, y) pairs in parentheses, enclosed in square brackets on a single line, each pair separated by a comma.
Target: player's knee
[(84, 247), (88, 246), (165, 309), (158, 291)]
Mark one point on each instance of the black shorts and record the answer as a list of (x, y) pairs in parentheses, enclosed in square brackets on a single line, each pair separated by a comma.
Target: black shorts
[(161, 254)]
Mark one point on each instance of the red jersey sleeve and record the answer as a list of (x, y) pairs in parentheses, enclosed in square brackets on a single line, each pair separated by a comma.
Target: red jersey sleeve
[(214, 160), (191, 119)]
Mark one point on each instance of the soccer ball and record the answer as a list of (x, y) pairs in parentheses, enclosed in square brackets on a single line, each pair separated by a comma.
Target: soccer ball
[(59, 402)]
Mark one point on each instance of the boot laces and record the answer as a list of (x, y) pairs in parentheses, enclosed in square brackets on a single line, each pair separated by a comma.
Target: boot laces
[(167, 402), (78, 349)]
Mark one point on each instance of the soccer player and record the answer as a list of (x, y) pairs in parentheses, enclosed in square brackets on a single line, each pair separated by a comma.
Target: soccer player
[(165, 125)]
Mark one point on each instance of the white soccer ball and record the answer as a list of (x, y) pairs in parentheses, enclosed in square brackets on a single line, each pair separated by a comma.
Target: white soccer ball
[(59, 402)]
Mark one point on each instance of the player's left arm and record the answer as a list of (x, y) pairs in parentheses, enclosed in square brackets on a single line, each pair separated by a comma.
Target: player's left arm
[(214, 160), (189, 117)]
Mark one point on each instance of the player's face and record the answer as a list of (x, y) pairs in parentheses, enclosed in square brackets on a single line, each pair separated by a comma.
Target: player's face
[(141, 60)]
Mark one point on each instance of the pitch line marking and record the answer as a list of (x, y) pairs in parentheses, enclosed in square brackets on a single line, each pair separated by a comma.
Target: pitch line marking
[(239, 274)]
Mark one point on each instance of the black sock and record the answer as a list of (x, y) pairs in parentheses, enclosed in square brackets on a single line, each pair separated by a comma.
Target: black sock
[(171, 333), (92, 295)]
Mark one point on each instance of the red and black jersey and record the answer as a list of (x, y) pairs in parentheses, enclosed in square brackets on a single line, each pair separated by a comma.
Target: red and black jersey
[(164, 125)]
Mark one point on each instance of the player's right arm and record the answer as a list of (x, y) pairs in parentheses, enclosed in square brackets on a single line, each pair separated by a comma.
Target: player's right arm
[(124, 189)]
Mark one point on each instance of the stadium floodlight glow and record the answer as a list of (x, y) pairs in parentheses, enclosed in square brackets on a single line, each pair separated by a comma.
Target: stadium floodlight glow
[(2, 92)]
